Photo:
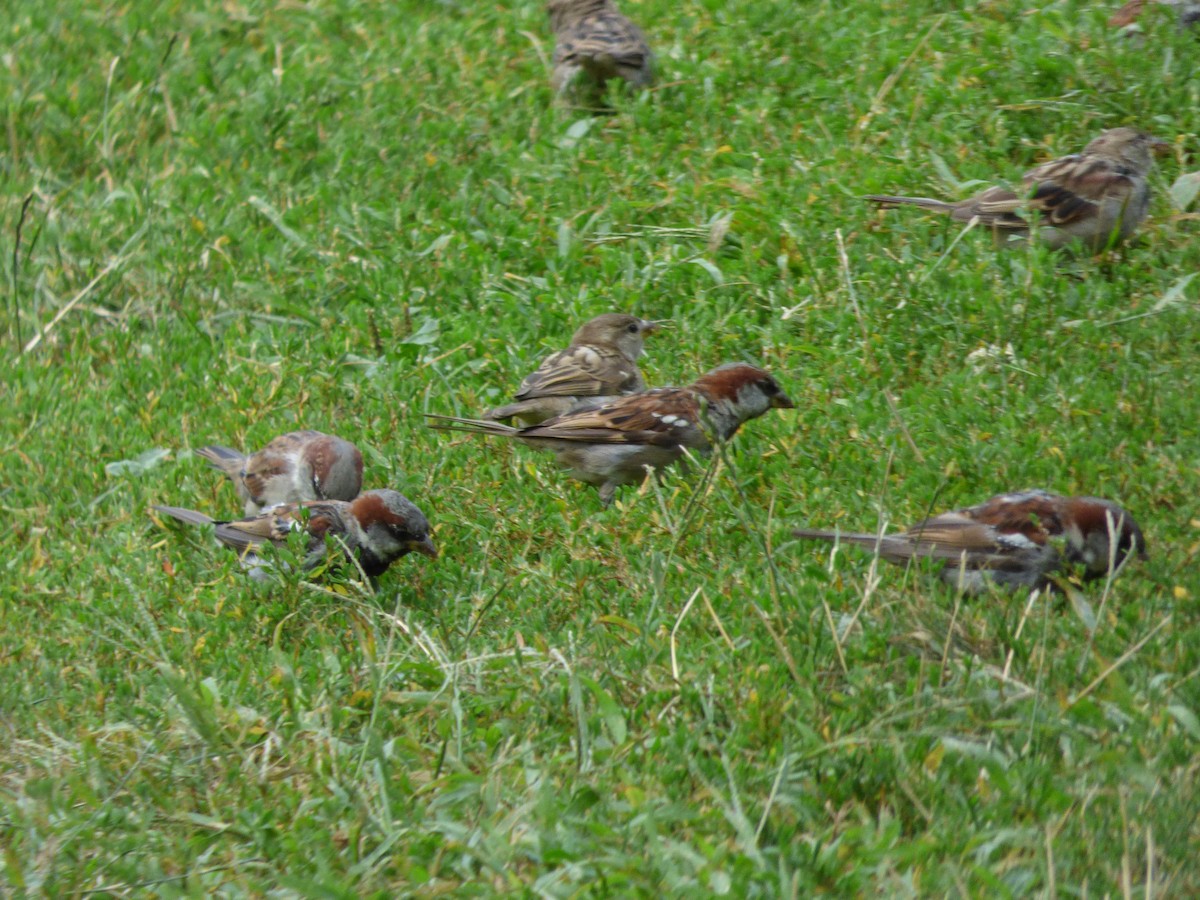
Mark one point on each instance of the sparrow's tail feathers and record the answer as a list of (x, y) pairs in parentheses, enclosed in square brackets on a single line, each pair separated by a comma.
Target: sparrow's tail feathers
[(471, 426), (886, 201), (227, 460), (900, 548), (839, 537), (184, 515)]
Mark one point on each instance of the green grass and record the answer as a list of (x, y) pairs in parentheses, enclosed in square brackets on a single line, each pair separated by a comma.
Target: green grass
[(340, 216)]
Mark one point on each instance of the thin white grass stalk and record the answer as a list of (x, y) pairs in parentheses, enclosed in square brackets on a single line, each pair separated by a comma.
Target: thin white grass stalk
[(908, 792), (1033, 595), (958, 598), (379, 668), (106, 146), (739, 820), (675, 630), (1113, 570), (537, 48), (126, 886), (762, 821), (833, 632), (1041, 672), (1004, 678), (862, 323), (575, 693), (1149, 861), (1121, 660), (745, 513), (891, 402), (1051, 882), (717, 621), (1126, 862), (118, 260), (946, 253), (890, 82), (656, 489)]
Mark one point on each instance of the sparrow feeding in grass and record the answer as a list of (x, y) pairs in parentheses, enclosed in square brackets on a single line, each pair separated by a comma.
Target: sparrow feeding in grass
[(594, 43), (293, 468), (615, 443), (376, 529), (1012, 540), (1098, 197), (600, 364)]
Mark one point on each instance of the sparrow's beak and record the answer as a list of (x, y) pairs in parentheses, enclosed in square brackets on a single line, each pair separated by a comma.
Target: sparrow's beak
[(424, 547), (782, 401), (650, 326), (1159, 147)]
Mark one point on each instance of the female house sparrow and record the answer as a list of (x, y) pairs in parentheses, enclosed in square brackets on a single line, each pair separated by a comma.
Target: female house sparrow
[(600, 364), (614, 443), (1096, 197), (376, 528), (298, 466), (1011, 540), (594, 41)]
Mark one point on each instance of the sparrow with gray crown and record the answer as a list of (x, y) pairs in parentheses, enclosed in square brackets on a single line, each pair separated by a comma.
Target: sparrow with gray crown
[(375, 529)]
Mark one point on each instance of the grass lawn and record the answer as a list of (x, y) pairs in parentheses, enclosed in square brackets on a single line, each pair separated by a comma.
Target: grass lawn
[(221, 222)]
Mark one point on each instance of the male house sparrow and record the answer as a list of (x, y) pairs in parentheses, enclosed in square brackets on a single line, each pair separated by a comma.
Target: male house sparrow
[(600, 364), (595, 42), (298, 466), (1096, 197), (376, 528), (1011, 540), (614, 443)]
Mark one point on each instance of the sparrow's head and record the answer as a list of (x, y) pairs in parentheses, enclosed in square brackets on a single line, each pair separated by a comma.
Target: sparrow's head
[(739, 392), (393, 526), (626, 333), (1101, 534), (1128, 146)]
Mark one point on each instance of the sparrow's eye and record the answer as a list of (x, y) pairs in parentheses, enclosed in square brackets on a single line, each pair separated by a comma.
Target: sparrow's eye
[(632, 328)]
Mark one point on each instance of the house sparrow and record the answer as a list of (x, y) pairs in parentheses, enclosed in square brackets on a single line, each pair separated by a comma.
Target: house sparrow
[(298, 466), (600, 364), (595, 42), (1011, 540), (376, 528), (614, 443), (1098, 196)]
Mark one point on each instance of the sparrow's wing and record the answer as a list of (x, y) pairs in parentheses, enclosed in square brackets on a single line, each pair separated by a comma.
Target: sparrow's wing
[(1127, 14), (269, 528), (666, 417), (606, 44), (1033, 515), (581, 371), (997, 207), (261, 468), (1073, 188)]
